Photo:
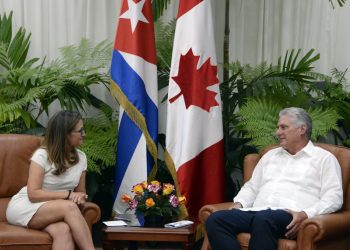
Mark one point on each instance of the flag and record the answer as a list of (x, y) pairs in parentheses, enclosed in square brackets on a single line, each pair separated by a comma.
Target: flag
[(194, 134), (134, 85)]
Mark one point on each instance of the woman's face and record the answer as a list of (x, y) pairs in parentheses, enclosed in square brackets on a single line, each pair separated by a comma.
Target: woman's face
[(76, 137)]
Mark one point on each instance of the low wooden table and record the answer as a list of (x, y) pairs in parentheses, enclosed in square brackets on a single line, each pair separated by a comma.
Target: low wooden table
[(113, 236)]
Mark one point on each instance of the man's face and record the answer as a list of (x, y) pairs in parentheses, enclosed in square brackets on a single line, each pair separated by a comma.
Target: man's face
[(288, 134)]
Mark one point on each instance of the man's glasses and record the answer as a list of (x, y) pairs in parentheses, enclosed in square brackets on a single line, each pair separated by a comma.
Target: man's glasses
[(81, 131)]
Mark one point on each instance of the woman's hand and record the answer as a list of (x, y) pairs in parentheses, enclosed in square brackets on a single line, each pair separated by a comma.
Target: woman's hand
[(78, 197)]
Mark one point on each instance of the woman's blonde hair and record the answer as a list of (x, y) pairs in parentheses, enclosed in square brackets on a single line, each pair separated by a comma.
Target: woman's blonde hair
[(56, 140)]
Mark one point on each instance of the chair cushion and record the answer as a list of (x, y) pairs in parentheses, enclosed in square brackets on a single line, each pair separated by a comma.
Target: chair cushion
[(29, 239), (15, 153), (243, 239), (3, 206), (283, 244)]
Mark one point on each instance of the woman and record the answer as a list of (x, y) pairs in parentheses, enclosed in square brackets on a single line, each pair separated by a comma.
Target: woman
[(56, 186)]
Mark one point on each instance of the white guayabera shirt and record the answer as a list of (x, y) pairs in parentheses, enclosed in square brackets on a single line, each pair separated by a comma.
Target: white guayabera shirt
[(308, 181)]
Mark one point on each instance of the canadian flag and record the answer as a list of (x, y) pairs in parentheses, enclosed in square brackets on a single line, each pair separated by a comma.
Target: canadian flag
[(194, 136)]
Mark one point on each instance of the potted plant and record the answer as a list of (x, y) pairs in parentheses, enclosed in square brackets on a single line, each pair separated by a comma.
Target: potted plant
[(155, 202)]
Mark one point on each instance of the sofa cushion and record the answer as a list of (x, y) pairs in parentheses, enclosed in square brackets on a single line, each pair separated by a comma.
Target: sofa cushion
[(9, 236), (15, 153), (3, 206)]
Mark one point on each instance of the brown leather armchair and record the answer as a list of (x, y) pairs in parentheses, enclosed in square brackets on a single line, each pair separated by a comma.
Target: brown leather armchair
[(324, 232), (15, 153)]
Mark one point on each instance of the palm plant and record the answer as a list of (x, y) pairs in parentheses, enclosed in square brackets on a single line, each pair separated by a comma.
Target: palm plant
[(340, 2), (158, 7), (335, 95), (258, 119), (13, 64), (100, 142), (164, 37), (27, 90), (291, 80), (79, 67)]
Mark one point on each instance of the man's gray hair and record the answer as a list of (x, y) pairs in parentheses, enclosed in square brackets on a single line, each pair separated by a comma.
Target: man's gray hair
[(299, 117)]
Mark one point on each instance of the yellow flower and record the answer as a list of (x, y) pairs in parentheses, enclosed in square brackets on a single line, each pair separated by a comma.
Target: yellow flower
[(150, 202), (153, 197), (138, 189), (168, 189), (182, 200), (144, 184), (155, 183), (126, 198)]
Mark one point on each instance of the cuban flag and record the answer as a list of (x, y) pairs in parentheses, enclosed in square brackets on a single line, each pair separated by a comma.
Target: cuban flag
[(134, 85), (194, 134)]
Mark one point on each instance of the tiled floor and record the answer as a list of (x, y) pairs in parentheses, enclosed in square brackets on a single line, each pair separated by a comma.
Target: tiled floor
[(158, 247), (149, 248), (161, 246)]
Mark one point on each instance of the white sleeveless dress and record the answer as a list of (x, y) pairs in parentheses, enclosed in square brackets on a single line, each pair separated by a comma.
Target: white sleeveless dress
[(20, 209)]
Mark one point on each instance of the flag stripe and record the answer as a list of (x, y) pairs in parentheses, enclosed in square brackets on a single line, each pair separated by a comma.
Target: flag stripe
[(128, 132), (139, 120), (206, 167), (186, 6), (140, 43), (132, 85)]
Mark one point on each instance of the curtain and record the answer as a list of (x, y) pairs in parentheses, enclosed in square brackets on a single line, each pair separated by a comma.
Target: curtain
[(264, 30), (57, 23), (260, 30)]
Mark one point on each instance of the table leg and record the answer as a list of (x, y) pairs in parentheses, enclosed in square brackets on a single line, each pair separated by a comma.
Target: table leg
[(133, 245), (107, 245), (188, 246)]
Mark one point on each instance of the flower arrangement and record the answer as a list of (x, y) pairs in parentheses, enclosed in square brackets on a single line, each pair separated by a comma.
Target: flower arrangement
[(154, 198)]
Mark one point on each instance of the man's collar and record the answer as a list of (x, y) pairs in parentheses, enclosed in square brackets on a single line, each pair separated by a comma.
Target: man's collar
[(308, 149)]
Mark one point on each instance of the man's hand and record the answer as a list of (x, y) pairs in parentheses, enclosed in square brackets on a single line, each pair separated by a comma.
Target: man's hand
[(235, 205), (293, 227)]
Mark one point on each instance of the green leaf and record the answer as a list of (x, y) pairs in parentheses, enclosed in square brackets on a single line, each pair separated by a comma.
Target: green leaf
[(100, 142), (259, 117), (158, 7), (340, 2), (6, 29)]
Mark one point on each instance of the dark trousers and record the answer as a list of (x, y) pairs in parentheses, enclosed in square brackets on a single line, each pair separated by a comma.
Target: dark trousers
[(265, 227)]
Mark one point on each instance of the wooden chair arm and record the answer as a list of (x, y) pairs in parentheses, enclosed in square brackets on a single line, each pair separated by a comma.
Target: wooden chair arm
[(323, 227), (91, 213), (206, 210), (203, 215)]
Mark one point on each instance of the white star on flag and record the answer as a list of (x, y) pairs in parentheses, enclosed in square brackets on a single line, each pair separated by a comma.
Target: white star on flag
[(134, 13)]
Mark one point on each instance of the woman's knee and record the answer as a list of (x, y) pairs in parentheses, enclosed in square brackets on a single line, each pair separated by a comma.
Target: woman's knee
[(58, 229), (68, 207)]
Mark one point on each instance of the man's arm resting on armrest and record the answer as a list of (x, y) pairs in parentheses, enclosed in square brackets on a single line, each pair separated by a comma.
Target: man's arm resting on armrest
[(236, 205)]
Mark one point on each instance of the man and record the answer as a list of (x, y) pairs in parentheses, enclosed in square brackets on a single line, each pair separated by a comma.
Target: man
[(291, 183)]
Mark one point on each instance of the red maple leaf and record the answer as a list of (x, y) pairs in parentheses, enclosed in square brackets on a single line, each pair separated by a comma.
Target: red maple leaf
[(193, 82)]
